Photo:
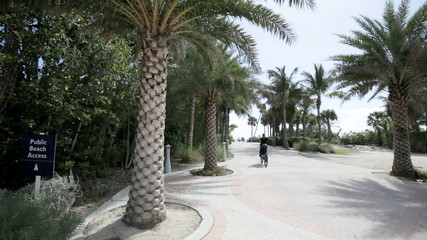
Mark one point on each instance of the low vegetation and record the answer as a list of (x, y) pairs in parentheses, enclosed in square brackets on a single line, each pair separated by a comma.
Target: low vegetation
[(45, 218), (219, 171)]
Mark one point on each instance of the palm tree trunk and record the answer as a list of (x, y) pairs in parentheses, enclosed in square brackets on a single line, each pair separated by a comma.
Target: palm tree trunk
[(304, 125), (146, 205), (191, 123), (402, 164), (329, 131), (227, 124), (210, 133), (285, 133), (319, 127)]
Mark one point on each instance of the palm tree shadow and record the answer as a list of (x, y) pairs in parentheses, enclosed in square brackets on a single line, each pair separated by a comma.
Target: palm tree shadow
[(256, 165), (397, 209)]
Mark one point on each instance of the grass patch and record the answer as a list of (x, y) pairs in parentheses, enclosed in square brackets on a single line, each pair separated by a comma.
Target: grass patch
[(417, 175), (420, 174), (343, 151), (218, 171)]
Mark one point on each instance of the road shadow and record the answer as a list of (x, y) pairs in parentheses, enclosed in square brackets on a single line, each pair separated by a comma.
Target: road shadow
[(256, 165), (396, 210)]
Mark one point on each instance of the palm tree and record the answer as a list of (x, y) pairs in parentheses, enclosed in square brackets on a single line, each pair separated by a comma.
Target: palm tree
[(292, 112), (252, 121), (393, 59), (328, 116), (159, 24), (376, 120), (162, 26), (219, 86), (319, 85), (281, 85), (305, 104)]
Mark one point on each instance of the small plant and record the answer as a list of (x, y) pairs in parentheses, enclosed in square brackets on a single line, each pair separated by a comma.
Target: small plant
[(421, 175), (325, 148), (191, 155), (306, 146), (22, 217)]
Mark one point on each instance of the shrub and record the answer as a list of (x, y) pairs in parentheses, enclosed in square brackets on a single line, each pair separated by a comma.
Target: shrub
[(190, 155), (21, 217), (325, 148), (420, 174), (220, 152), (306, 146)]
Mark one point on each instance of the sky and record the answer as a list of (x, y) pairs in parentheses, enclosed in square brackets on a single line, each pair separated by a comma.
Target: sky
[(316, 42)]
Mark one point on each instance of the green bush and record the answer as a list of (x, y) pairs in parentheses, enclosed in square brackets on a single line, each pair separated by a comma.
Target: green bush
[(190, 155), (22, 218), (306, 146), (420, 174), (325, 148)]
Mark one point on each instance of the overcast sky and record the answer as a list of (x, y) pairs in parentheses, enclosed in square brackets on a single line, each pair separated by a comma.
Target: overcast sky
[(316, 43)]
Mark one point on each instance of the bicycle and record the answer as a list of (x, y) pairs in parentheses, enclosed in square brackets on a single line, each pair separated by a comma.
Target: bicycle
[(263, 155)]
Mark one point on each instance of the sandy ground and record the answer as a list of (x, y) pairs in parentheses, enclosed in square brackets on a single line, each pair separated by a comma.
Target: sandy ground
[(108, 226)]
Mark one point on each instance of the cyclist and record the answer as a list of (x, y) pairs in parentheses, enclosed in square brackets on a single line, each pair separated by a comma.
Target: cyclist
[(263, 145)]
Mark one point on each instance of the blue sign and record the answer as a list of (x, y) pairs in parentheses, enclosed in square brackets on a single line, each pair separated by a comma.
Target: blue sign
[(38, 154)]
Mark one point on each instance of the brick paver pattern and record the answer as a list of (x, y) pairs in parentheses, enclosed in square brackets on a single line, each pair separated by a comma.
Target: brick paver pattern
[(304, 199)]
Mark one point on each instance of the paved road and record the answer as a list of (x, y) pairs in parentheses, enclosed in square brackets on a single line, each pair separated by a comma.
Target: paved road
[(301, 198)]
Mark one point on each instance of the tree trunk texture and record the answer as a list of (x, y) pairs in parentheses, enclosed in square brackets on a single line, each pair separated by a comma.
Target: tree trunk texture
[(75, 139), (191, 122), (329, 131), (227, 124), (285, 133), (304, 125), (146, 205), (210, 134), (402, 164), (319, 126)]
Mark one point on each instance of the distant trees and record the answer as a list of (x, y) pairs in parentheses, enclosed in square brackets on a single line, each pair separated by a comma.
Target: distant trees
[(281, 85), (318, 84)]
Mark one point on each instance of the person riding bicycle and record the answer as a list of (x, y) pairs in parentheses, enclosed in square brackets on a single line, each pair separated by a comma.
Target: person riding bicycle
[(263, 145)]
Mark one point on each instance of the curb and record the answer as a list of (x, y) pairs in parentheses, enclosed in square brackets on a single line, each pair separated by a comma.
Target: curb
[(121, 198)]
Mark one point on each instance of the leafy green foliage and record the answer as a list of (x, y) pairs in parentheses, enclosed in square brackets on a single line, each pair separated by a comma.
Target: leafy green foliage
[(359, 138), (22, 218), (309, 146), (63, 81), (191, 155)]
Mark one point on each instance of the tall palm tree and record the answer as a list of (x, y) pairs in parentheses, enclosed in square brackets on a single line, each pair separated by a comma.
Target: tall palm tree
[(319, 84), (328, 116), (282, 84), (217, 87), (375, 120), (159, 26), (292, 112), (393, 59), (305, 104), (252, 122)]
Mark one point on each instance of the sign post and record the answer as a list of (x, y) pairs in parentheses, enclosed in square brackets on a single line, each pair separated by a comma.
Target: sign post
[(38, 157)]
